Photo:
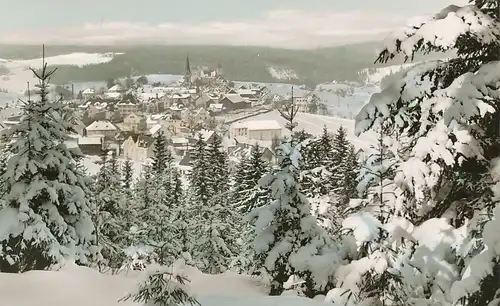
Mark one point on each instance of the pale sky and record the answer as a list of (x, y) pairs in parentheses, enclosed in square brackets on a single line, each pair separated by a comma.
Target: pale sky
[(278, 23)]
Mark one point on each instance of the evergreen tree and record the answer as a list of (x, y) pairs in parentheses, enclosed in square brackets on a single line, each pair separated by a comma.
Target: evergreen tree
[(160, 154), (112, 208), (340, 146), (177, 189), (247, 194), (48, 200), (212, 218), (128, 173), (288, 220), (218, 166), (440, 121), (163, 288), (200, 176)]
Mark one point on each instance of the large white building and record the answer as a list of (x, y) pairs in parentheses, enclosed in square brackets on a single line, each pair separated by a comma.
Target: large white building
[(257, 130)]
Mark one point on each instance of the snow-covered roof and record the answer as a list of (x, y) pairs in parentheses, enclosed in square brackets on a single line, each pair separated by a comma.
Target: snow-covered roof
[(89, 141), (88, 91), (115, 88), (114, 95), (216, 106), (181, 96), (101, 125), (234, 98), (246, 92), (206, 134), (154, 129), (180, 140)]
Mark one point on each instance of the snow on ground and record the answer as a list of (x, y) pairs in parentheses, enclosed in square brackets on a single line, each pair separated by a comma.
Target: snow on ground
[(283, 74), (314, 124), (80, 286), (16, 80), (373, 76)]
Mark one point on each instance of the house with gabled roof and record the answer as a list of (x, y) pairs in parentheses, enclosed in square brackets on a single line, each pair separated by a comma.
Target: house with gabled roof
[(101, 128), (138, 147), (234, 102), (127, 105)]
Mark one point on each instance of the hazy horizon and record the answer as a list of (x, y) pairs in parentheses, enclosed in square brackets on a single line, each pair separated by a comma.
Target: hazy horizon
[(285, 24)]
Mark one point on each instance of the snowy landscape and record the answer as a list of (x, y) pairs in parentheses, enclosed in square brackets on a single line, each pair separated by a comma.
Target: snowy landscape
[(167, 190)]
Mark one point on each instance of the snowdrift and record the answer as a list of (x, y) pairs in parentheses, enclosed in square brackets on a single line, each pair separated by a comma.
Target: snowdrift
[(80, 286)]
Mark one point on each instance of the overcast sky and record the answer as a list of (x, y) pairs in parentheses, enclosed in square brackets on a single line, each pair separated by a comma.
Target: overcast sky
[(280, 23)]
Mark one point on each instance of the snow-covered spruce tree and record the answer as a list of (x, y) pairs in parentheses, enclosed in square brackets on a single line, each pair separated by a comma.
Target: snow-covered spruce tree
[(247, 195), (215, 243), (218, 162), (163, 287), (200, 176), (212, 217), (317, 167), (288, 240), (162, 156), (344, 172), (442, 118), (48, 199), (127, 173), (113, 207)]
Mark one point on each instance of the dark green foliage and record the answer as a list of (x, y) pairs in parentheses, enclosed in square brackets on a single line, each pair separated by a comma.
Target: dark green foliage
[(200, 172), (162, 156), (127, 172)]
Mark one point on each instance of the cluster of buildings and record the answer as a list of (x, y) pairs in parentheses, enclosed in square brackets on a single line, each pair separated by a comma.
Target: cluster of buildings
[(127, 120)]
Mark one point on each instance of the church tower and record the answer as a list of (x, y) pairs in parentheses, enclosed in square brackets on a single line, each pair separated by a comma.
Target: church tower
[(187, 74)]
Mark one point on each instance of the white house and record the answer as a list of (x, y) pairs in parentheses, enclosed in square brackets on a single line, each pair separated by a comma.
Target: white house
[(135, 122), (257, 130), (138, 148), (88, 93), (127, 107), (101, 128)]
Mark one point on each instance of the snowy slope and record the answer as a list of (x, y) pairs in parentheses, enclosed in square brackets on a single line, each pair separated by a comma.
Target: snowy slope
[(282, 74), (79, 59), (373, 76), (314, 124), (16, 80), (79, 286)]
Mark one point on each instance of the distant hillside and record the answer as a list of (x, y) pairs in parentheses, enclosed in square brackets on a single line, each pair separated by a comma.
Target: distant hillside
[(260, 64)]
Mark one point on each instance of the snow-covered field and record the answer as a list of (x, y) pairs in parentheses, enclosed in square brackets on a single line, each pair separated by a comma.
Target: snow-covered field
[(283, 74), (16, 81), (79, 59), (80, 286), (314, 124)]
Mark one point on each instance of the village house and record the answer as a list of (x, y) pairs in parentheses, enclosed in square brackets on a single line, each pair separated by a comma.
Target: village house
[(257, 130), (234, 102), (205, 100), (101, 128), (134, 122), (88, 93), (138, 147), (127, 106), (180, 145), (90, 145)]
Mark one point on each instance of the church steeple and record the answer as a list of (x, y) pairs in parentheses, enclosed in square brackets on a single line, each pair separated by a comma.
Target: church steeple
[(188, 67), (187, 73)]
